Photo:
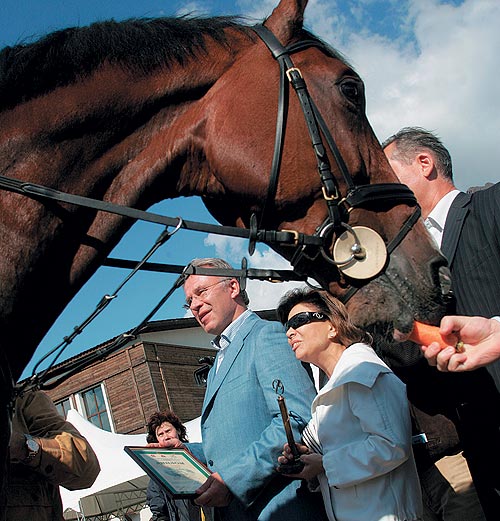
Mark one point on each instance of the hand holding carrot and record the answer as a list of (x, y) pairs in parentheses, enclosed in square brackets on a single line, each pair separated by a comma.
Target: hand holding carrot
[(480, 339)]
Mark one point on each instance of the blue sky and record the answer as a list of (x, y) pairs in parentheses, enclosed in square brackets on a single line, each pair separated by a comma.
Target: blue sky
[(430, 63)]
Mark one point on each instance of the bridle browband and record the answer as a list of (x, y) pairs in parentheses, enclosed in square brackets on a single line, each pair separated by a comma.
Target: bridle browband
[(338, 205)]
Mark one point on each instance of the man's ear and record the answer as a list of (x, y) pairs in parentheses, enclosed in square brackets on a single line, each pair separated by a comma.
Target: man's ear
[(235, 287), (425, 163)]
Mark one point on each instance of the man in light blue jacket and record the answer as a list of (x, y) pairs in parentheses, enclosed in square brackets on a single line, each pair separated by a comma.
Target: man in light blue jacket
[(242, 429)]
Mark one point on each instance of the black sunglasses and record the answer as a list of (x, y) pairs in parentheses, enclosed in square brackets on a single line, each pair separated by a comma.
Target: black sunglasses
[(303, 318)]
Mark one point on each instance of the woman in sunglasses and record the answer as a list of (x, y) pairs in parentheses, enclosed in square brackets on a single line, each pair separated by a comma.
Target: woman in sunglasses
[(358, 442)]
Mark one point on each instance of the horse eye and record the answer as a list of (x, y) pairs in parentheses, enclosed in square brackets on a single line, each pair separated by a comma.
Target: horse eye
[(351, 90)]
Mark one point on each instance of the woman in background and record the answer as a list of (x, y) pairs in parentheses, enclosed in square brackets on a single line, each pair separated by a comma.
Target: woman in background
[(163, 426)]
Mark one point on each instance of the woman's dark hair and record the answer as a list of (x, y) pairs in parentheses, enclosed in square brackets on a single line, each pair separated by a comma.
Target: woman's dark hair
[(159, 418), (348, 332)]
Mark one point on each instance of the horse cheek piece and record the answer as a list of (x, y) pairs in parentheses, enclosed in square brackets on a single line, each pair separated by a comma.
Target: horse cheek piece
[(360, 253)]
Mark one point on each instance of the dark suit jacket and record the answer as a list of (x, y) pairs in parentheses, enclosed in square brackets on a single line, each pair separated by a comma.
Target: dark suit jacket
[(471, 243)]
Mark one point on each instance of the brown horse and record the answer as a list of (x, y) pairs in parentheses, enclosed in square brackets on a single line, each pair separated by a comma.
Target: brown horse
[(139, 111)]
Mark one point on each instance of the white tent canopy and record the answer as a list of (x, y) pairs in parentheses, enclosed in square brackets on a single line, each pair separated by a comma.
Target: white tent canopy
[(121, 482)]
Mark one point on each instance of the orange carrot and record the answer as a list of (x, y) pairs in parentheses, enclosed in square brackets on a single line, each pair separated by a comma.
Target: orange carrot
[(425, 334)]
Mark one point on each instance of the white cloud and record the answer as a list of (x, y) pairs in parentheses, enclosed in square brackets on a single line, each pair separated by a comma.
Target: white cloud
[(439, 72)]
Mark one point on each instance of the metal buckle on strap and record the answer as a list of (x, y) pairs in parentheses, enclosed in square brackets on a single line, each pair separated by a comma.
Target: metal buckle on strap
[(289, 73), (295, 234), (330, 197)]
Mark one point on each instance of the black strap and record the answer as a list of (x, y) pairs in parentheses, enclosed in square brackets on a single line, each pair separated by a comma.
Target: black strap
[(42, 192), (364, 195), (278, 145), (282, 55)]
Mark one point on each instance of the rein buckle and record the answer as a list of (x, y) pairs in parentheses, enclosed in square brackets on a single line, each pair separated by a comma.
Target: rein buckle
[(295, 234)]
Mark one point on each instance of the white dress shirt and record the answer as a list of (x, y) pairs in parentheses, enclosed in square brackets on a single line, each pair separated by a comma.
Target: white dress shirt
[(437, 217)]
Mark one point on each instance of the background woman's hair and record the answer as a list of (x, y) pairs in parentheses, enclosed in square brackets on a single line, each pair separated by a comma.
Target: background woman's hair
[(159, 418)]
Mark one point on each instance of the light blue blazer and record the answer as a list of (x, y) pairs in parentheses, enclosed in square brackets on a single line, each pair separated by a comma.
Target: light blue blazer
[(242, 428)]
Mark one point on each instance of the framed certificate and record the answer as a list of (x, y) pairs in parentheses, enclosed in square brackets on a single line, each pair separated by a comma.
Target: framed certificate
[(177, 470)]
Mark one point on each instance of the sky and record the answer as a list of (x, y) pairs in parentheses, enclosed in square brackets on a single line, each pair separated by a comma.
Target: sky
[(426, 63)]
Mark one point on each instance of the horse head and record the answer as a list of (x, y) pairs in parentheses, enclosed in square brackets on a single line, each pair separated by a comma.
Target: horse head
[(412, 281)]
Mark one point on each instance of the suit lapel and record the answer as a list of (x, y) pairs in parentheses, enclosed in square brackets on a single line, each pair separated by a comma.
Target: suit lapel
[(454, 224), (215, 380)]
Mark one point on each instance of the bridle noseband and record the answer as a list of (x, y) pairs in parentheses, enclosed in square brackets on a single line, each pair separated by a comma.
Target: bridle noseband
[(338, 205)]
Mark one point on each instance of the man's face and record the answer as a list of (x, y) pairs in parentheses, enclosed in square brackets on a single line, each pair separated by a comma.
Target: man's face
[(408, 174), (212, 301)]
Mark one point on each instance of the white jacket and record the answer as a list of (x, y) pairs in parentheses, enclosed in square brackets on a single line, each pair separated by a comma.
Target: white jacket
[(362, 421)]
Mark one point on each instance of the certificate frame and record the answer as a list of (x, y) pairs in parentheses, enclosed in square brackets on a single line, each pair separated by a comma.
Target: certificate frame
[(177, 470)]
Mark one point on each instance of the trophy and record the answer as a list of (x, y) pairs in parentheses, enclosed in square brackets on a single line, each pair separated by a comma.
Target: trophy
[(295, 466)]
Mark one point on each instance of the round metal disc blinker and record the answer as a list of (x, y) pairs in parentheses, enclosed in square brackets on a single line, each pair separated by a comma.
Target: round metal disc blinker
[(367, 256)]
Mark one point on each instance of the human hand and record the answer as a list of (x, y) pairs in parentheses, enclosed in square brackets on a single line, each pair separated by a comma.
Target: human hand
[(288, 457), (481, 344), (313, 463), (213, 493)]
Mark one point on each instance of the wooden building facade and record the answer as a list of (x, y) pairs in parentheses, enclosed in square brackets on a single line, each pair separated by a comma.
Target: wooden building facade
[(153, 372)]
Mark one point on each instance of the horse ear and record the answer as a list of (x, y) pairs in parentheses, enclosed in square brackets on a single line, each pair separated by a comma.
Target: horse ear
[(286, 19)]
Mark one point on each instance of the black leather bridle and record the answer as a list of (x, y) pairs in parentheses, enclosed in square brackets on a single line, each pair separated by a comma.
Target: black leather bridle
[(338, 205)]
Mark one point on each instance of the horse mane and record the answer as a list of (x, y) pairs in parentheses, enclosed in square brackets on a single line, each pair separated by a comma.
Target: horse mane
[(58, 59)]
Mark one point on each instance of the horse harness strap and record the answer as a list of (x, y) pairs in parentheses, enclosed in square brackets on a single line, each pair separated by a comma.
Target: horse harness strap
[(37, 192), (287, 70), (338, 205)]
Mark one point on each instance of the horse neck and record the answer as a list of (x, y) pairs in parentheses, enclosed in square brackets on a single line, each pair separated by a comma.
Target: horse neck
[(97, 128), (113, 136)]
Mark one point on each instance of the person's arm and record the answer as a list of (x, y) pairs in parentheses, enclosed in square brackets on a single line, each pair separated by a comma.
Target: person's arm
[(382, 411), (481, 344), (156, 501), (65, 457)]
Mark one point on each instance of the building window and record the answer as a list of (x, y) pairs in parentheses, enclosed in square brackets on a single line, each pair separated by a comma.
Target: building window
[(63, 407), (95, 408)]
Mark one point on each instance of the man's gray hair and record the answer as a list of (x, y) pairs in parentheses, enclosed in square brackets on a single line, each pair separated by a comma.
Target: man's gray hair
[(216, 263), (409, 141)]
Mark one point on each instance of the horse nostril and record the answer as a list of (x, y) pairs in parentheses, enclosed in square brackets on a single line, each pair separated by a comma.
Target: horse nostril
[(445, 281)]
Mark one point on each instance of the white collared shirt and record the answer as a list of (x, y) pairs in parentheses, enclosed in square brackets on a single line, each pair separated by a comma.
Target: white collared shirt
[(437, 217), (221, 342)]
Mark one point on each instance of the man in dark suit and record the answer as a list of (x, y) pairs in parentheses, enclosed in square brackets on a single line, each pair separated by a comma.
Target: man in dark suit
[(466, 227)]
